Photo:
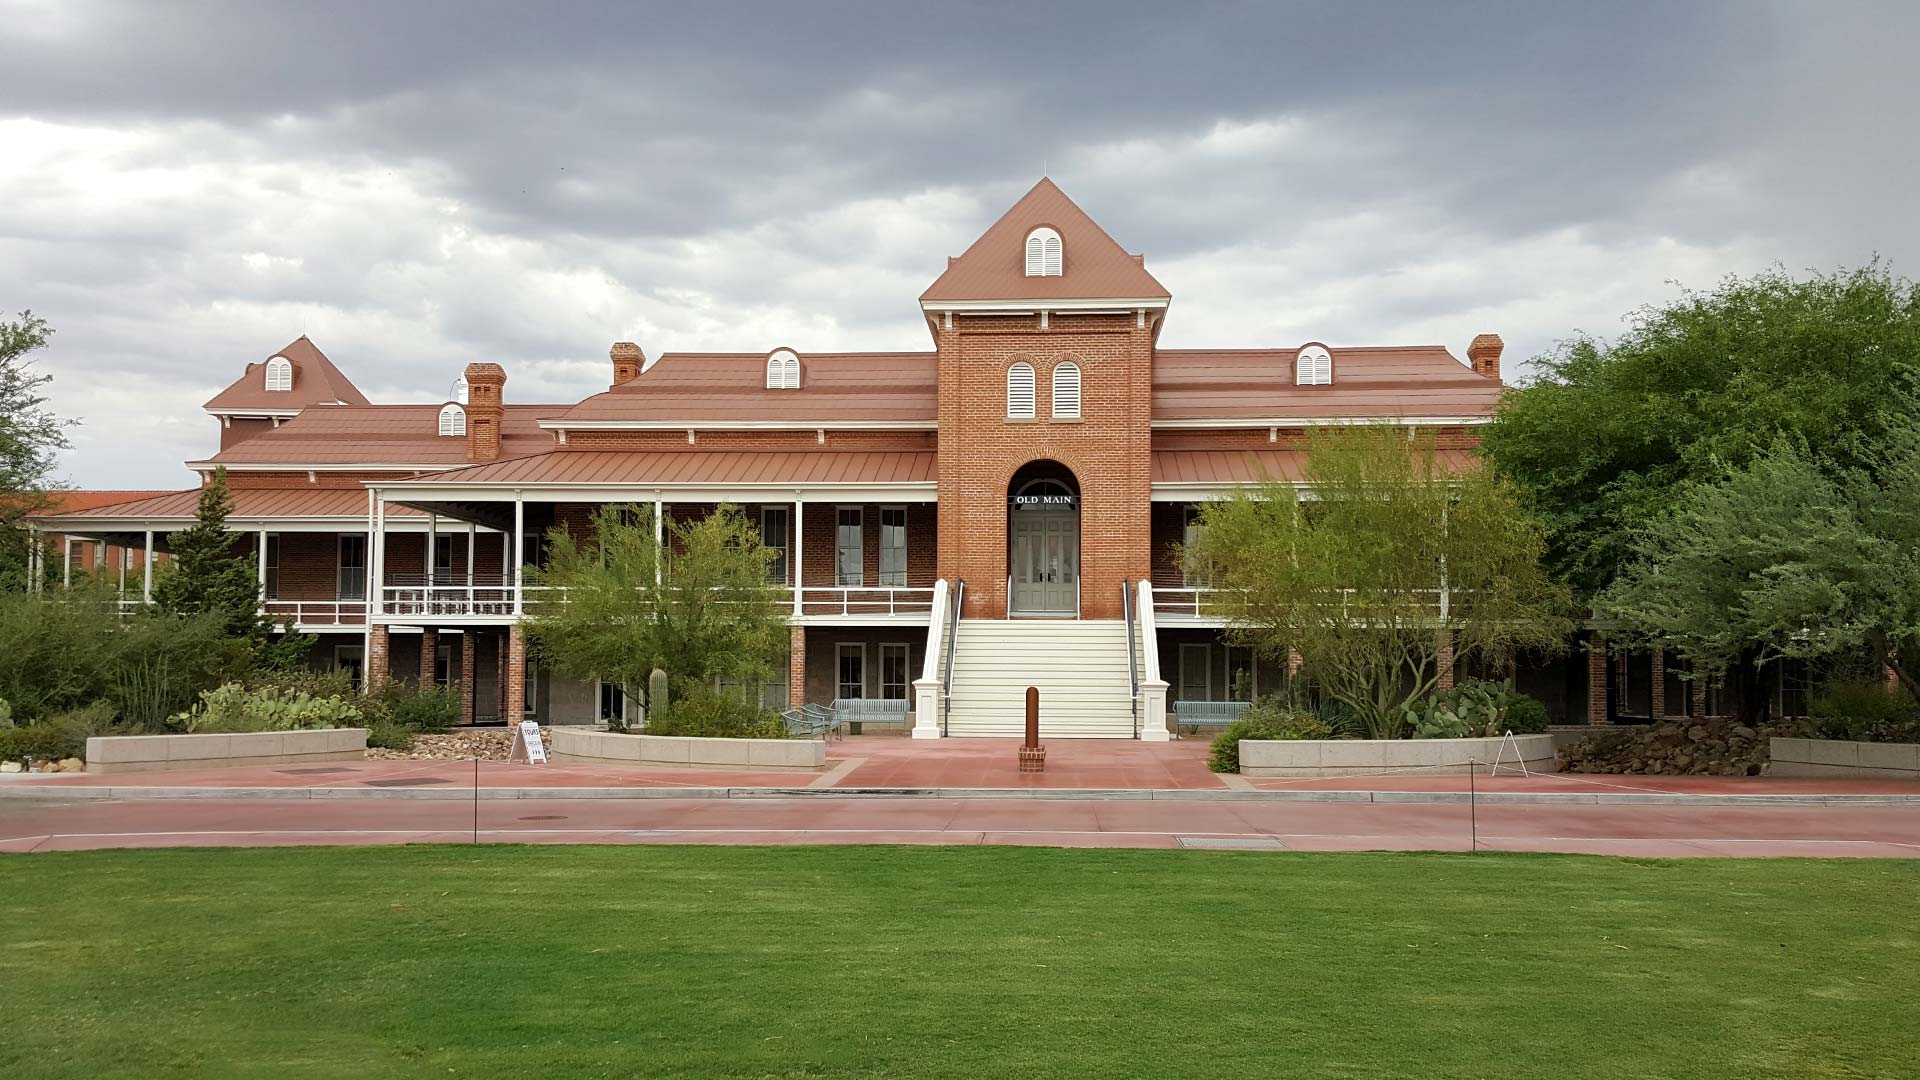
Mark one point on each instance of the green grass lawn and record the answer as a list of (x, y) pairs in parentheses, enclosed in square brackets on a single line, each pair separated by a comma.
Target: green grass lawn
[(951, 962)]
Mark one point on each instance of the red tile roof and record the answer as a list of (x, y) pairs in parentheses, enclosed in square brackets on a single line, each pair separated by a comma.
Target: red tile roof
[(707, 387), (315, 382), (247, 503), (1246, 384), (377, 435), (68, 502), (1254, 466), (1093, 266), (700, 467)]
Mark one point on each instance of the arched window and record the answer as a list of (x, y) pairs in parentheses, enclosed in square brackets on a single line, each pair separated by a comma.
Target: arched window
[(1020, 391), (459, 393), (453, 420), (1313, 367), (279, 373), (1043, 253), (1066, 390), (783, 370)]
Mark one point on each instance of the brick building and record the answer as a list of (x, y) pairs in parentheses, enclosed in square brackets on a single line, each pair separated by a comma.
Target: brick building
[(953, 525)]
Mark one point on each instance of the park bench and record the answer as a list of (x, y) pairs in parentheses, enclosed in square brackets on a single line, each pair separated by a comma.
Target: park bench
[(847, 711), (809, 721), (1199, 714)]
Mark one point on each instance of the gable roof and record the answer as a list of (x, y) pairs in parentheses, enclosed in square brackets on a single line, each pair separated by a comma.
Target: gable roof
[(381, 435), (1412, 381), (1093, 265), (706, 387), (315, 382)]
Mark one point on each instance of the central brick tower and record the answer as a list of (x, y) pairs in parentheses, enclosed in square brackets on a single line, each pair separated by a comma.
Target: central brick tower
[(1045, 330)]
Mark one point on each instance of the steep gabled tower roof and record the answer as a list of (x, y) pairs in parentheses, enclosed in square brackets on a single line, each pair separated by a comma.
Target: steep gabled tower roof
[(315, 382), (1094, 267)]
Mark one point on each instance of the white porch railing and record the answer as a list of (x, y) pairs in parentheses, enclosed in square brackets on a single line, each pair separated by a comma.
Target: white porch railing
[(885, 600), (318, 612), (1202, 602), (497, 600)]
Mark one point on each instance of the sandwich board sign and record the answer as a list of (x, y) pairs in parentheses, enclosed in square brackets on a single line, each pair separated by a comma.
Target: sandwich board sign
[(527, 746)]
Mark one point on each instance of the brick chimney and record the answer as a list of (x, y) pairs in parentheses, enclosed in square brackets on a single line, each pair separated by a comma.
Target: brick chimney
[(627, 361), (486, 409), (1484, 355)]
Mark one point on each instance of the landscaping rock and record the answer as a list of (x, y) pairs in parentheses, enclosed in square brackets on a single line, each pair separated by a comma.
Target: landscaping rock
[(72, 764), (487, 744), (9, 766), (1689, 748)]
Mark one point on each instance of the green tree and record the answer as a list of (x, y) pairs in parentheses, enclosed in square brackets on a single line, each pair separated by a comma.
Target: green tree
[(211, 575), (30, 436), (1360, 572), (700, 607), (1612, 433), (1781, 558)]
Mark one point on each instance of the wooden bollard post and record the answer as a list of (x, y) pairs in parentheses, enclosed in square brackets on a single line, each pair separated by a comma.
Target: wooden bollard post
[(1033, 756)]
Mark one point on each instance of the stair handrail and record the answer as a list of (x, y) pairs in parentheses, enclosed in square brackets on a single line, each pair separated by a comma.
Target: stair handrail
[(953, 632), (1133, 662)]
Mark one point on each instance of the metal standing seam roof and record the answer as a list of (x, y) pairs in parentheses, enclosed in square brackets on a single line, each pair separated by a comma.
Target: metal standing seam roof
[(707, 387), (1093, 265), (696, 467), (247, 503), (382, 435), (315, 382), (1254, 384), (1255, 466)]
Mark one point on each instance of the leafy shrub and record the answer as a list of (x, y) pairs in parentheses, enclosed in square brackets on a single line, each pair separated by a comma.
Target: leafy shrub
[(1476, 707), (232, 707), (41, 742), (386, 735), (699, 710), (1527, 716), (1263, 720), (315, 682), (1865, 710), (6, 714), (424, 709)]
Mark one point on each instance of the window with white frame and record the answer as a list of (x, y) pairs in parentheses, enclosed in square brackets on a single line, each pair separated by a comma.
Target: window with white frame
[(1241, 673), (442, 559), (1043, 253), (613, 704), (350, 658), (530, 678), (849, 546), (279, 373), (850, 664), (453, 420), (273, 566), (1020, 391), (773, 533), (1196, 671), (352, 584), (893, 545), (1066, 390), (1313, 367), (783, 370), (894, 679)]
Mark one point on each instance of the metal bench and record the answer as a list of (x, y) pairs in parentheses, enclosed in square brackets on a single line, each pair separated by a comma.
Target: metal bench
[(868, 711), (809, 721), (1199, 714)]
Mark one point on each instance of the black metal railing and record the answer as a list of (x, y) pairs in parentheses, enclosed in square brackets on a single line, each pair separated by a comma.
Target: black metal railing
[(953, 631)]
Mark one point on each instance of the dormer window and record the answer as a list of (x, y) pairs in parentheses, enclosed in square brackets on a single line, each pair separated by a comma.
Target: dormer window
[(1020, 391), (783, 370), (279, 373), (1313, 367), (459, 392), (1043, 253), (453, 420)]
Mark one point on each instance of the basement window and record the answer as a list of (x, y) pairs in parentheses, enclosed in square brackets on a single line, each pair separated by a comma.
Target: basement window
[(453, 420)]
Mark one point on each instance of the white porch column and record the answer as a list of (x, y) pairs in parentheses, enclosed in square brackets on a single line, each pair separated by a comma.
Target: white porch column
[(377, 559), (659, 541), (470, 555), (146, 585), (66, 561), (1153, 688), (123, 571), (433, 545), (799, 565), (926, 689), (263, 569), (519, 550)]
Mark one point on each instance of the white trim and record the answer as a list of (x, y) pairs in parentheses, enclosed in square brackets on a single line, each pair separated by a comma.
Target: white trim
[(738, 425), (335, 466), (906, 667), (917, 491), (261, 414), (837, 647), (1323, 421), (1086, 305)]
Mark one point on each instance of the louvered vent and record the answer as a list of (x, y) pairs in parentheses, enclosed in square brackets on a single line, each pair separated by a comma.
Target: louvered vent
[(1066, 390), (1020, 391), (1043, 253), (279, 374), (453, 420), (1313, 367)]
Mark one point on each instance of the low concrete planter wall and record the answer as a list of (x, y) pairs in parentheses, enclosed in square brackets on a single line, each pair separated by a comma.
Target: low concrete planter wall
[(582, 746), (1833, 757), (153, 753), (1368, 757)]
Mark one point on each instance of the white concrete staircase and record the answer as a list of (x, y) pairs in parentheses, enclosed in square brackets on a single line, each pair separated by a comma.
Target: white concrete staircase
[(1080, 666)]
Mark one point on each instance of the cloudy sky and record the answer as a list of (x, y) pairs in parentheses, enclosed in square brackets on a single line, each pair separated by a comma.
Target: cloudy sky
[(186, 187)]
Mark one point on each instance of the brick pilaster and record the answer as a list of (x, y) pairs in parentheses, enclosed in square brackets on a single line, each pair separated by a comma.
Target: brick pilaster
[(1597, 679), (429, 654), (515, 677), (1443, 659), (1659, 688), (797, 668), (465, 654), (378, 666)]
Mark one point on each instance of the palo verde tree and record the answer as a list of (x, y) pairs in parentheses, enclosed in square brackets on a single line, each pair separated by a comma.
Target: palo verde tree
[(1783, 558), (210, 575), (699, 604), (30, 436), (1361, 570)]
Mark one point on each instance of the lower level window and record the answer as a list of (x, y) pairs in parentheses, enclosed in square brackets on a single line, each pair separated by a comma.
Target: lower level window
[(531, 680), (852, 665), (893, 672), (352, 660), (613, 703)]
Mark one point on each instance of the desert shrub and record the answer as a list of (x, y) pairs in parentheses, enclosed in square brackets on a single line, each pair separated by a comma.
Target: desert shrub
[(1527, 716), (1263, 720), (65, 650), (386, 735), (423, 709), (6, 714), (316, 682), (1475, 707), (697, 709), (233, 708), (1865, 710), (41, 742)]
